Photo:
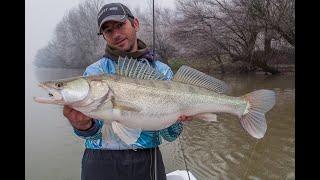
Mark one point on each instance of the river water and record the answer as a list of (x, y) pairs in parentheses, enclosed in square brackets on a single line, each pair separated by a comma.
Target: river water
[(221, 150)]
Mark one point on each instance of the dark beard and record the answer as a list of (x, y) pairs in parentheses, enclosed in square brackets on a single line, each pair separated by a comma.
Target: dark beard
[(114, 53), (130, 48)]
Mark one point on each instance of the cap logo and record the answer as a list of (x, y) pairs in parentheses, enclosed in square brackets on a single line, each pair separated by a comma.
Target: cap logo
[(113, 8)]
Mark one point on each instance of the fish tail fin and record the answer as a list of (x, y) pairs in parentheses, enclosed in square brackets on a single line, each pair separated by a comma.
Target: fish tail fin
[(253, 119)]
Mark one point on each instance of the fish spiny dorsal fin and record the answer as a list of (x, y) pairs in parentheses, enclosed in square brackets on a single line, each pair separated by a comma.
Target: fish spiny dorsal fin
[(136, 69), (131, 72), (192, 76), (126, 72)]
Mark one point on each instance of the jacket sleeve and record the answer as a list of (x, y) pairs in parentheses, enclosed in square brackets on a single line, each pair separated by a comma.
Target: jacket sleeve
[(94, 131), (171, 133)]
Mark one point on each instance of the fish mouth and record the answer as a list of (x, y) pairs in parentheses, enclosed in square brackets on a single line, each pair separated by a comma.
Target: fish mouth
[(54, 96)]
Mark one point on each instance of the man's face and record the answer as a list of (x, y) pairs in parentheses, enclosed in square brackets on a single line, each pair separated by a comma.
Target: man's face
[(121, 35)]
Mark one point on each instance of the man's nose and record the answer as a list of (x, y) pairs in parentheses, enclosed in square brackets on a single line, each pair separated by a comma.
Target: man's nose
[(116, 35), (116, 32)]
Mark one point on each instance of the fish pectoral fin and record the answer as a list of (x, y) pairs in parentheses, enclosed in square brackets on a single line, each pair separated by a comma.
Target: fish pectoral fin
[(106, 132), (125, 106), (127, 135), (206, 117)]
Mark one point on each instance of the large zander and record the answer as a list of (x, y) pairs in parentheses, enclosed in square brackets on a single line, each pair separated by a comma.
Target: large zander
[(139, 98)]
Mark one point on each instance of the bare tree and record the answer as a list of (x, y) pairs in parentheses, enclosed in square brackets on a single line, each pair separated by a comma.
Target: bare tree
[(253, 32), (217, 28), (164, 20), (277, 15), (75, 43)]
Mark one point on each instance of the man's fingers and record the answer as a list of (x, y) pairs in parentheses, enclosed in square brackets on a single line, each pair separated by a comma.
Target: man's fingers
[(81, 117), (66, 110), (73, 116), (76, 118), (185, 118)]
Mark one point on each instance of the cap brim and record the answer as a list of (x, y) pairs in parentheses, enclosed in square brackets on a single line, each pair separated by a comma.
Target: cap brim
[(118, 18)]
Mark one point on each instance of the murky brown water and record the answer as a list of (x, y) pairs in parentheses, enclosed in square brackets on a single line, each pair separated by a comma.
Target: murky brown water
[(224, 151), (220, 150)]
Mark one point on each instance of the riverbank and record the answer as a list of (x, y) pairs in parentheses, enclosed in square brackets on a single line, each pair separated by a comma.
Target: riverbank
[(210, 67)]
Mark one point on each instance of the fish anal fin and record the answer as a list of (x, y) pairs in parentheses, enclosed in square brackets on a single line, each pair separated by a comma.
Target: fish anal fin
[(206, 117)]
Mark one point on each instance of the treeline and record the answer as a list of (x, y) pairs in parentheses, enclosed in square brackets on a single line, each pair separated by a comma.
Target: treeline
[(75, 43), (253, 34)]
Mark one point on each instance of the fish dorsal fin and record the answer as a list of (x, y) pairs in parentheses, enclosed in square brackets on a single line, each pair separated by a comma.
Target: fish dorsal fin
[(192, 76), (136, 69)]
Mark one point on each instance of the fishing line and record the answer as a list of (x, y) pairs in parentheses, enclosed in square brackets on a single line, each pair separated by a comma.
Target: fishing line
[(183, 155), (153, 48), (254, 149), (155, 151), (246, 171)]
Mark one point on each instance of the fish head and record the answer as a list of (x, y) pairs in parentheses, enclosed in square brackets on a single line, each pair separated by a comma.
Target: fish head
[(64, 91)]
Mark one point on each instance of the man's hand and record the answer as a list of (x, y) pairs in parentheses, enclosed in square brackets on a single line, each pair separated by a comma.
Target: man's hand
[(77, 119), (185, 118)]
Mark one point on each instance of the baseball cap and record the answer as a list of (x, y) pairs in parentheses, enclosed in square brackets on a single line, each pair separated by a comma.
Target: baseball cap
[(113, 12)]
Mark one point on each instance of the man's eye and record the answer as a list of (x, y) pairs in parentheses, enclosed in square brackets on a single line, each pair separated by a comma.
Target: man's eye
[(108, 31), (120, 25)]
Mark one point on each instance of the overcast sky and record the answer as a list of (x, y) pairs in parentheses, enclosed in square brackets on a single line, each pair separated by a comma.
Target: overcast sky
[(43, 15)]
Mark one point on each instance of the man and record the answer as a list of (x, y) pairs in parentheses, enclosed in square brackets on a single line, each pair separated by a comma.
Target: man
[(111, 158)]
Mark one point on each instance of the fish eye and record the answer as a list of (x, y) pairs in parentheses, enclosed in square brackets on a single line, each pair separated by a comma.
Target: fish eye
[(59, 84)]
